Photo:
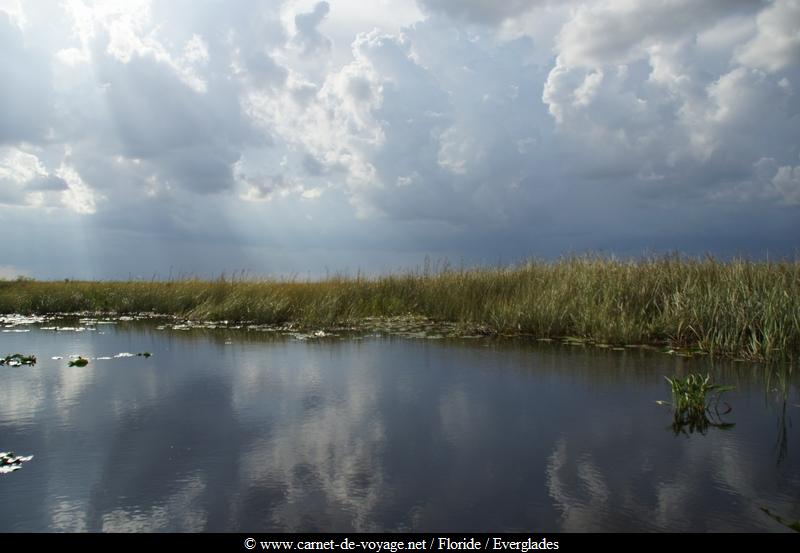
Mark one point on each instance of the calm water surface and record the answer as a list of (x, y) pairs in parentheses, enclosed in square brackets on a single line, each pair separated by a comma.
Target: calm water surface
[(224, 430)]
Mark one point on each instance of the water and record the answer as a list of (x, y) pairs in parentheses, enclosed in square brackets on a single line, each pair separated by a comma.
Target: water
[(224, 430)]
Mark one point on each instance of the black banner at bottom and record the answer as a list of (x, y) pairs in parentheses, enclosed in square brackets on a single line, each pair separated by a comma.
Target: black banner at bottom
[(404, 542)]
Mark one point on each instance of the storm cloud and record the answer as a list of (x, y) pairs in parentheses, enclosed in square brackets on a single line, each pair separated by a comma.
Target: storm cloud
[(298, 136)]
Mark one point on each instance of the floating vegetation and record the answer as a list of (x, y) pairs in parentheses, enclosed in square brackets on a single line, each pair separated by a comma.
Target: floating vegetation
[(696, 404), (144, 354), (12, 320), (9, 462), (17, 360), (67, 328), (79, 362), (407, 326)]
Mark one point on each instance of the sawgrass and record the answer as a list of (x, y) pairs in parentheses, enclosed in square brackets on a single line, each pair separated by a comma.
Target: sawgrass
[(737, 308)]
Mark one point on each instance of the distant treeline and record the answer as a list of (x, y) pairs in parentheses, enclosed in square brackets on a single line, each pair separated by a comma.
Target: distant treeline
[(737, 308)]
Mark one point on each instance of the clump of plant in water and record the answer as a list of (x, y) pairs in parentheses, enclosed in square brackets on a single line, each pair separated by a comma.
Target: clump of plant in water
[(696, 404), (79, 362), (9, 462), (17, 360)]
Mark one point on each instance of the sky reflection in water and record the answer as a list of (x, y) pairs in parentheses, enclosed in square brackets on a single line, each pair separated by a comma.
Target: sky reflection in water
[(379, 434)]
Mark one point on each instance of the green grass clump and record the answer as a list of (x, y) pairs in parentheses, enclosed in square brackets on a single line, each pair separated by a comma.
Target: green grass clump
[(695, 403), (690, 395), (738, 308)]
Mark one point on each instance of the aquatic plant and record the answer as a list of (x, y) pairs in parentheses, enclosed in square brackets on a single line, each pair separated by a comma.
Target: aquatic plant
[(79, 362), (777, 384), (737, 308), (9, 462), (695, 403), (17, 360)]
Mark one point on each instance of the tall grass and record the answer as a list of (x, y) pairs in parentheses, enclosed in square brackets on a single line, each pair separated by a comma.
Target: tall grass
[(738, 308)]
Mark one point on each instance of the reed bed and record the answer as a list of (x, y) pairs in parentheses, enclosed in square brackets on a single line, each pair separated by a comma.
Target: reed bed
[(735, 308)]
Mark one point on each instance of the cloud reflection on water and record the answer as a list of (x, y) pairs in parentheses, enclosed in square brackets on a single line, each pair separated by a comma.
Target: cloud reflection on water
[(378, 435)]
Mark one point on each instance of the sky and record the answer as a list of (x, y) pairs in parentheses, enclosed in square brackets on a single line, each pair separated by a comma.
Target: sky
[(157, 139)]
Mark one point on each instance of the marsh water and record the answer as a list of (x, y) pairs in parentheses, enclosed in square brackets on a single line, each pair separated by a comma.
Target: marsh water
[(237, 430)]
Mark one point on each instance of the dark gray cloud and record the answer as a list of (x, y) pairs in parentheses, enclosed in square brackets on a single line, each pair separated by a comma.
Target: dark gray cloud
[(264, 71), (47, 183), (461, 140), (308, 36)]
